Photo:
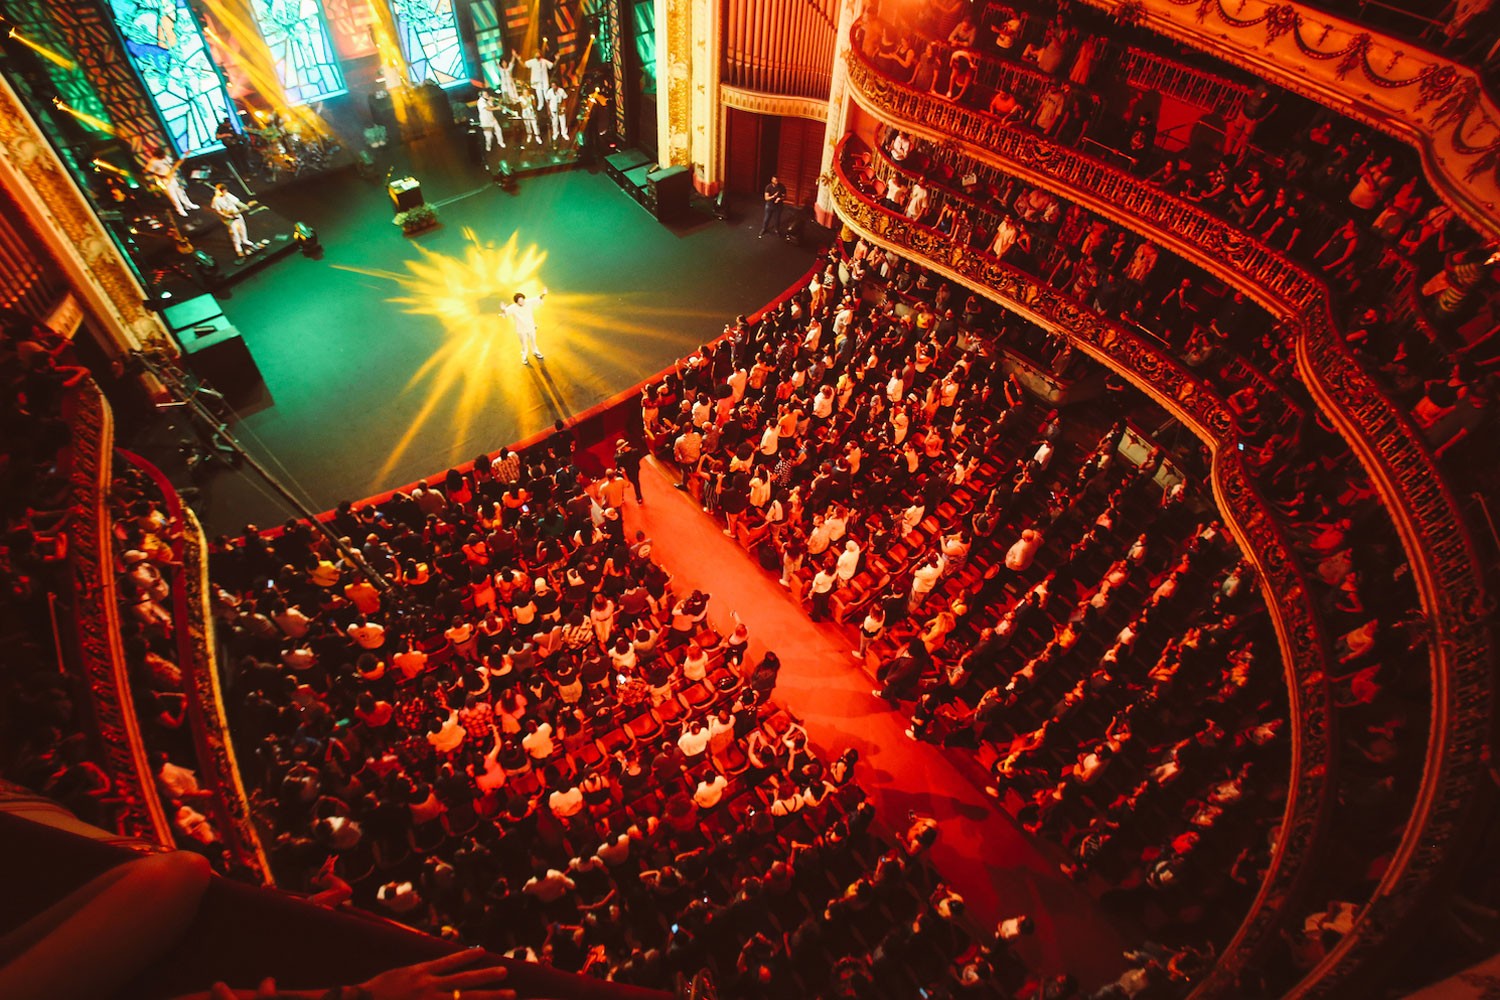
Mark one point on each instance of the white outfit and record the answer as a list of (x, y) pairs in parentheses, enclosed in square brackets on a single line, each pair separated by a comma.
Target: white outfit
[(557, 104), (171, 184), (488, 123), (523, 315), (541, 79), (508, 83), (232, 211), (528, 118)]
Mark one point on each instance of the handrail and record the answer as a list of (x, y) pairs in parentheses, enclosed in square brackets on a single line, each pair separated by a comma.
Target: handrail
[(195, 658), (1401, 467), (1266, 275), (1299, 635), (96, 613), (1437, 544), (1437, 105)]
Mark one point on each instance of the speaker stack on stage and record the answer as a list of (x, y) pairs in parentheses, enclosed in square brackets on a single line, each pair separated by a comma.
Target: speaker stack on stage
[(213, 350), (664, 192)]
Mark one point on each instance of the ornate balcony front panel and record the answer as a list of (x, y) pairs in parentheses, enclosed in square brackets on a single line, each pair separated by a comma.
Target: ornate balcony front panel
[(1200, 236), (1418, 96), (1303, 646), (1398, 461), (1445, 567)]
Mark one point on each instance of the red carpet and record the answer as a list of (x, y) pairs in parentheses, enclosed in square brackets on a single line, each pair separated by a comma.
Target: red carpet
[(998, 869)]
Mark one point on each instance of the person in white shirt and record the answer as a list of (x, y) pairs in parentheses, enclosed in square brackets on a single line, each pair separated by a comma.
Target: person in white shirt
[(488, 123), (538, 743), (528, 119), (165, 173), (557, 107), (541, 77), (848, 561), (506, 74), (916, 202), (710, 791), (522, 314), (694, 740), (232, 212)]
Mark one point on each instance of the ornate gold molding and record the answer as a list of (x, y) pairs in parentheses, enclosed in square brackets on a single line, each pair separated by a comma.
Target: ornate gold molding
[(96, 618), (201, 669), (31, 171), (1301, 640), (759, 103), (1445, 567), (675, 82), (1437, 105), (1212, 243)]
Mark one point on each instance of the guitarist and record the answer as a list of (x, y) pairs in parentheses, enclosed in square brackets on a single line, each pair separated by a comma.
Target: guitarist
[(232, 211), (164, 173)]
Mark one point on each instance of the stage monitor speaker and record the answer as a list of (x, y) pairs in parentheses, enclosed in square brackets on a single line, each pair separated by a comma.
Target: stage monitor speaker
[(221, 358), (670, 190), (406, 193)]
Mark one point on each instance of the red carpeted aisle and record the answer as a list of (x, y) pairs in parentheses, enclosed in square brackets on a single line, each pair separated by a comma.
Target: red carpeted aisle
[(981, 852)]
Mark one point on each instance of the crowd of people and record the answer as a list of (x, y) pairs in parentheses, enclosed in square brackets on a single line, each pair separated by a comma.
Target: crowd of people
[(50, 744), (892, 476), (1342, 201), (492, 717)]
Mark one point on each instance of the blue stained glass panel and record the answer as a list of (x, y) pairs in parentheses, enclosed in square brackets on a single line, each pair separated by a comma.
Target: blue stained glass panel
[(296, 34), (166, 47), (428, 30)]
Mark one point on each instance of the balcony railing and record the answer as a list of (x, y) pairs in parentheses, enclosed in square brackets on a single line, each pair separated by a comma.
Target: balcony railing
[(1398, 462), (96, 614), (1420, 97), (1196, 403), (1209, 241)]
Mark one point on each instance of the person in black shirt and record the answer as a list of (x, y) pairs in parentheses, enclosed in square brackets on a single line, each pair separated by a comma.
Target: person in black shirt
[(775, 196)]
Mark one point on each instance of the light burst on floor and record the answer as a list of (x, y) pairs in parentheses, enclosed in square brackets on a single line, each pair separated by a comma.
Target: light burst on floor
[(475, 364)]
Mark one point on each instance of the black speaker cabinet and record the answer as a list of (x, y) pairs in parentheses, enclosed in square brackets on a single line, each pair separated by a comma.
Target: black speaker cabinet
[(221, 359), (670, 190)]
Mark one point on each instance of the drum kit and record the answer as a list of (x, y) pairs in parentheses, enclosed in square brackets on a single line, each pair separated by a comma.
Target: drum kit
[(279, 150)]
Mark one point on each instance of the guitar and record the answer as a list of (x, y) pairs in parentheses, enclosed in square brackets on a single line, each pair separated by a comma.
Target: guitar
[(250, 208), (163, 179)]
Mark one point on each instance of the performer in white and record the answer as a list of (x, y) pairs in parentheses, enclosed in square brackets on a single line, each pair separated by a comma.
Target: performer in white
[(488, 123), (507, 74), (229, 208), (541, 69), (557, 104), (165, 173), (528, 118), (523, 314)]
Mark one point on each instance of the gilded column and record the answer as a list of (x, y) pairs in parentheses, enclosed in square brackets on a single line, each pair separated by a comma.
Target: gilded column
[(707, 123), (674, 82), (838, 108), (34, 176)]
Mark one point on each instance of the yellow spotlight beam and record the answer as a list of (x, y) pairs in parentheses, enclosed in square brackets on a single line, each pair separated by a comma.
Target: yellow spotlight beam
[(42, 50), (84, 116)]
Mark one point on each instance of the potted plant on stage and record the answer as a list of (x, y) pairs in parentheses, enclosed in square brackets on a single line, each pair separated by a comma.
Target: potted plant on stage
[(416, 220)]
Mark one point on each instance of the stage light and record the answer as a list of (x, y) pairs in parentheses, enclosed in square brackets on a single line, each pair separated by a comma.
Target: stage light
[(505, 176), (306, 237), (207, 266), (83, 116), (41, 50), (473, 369)]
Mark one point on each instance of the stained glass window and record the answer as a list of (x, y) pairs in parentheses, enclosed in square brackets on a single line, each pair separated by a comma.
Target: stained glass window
[(297, 37), (166, 47), (428, 30)]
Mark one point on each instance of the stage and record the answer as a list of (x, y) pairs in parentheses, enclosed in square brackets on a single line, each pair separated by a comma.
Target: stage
[(386, 360)]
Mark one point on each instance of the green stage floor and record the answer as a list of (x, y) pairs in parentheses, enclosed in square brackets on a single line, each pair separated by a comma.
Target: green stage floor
[(386, 361)]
